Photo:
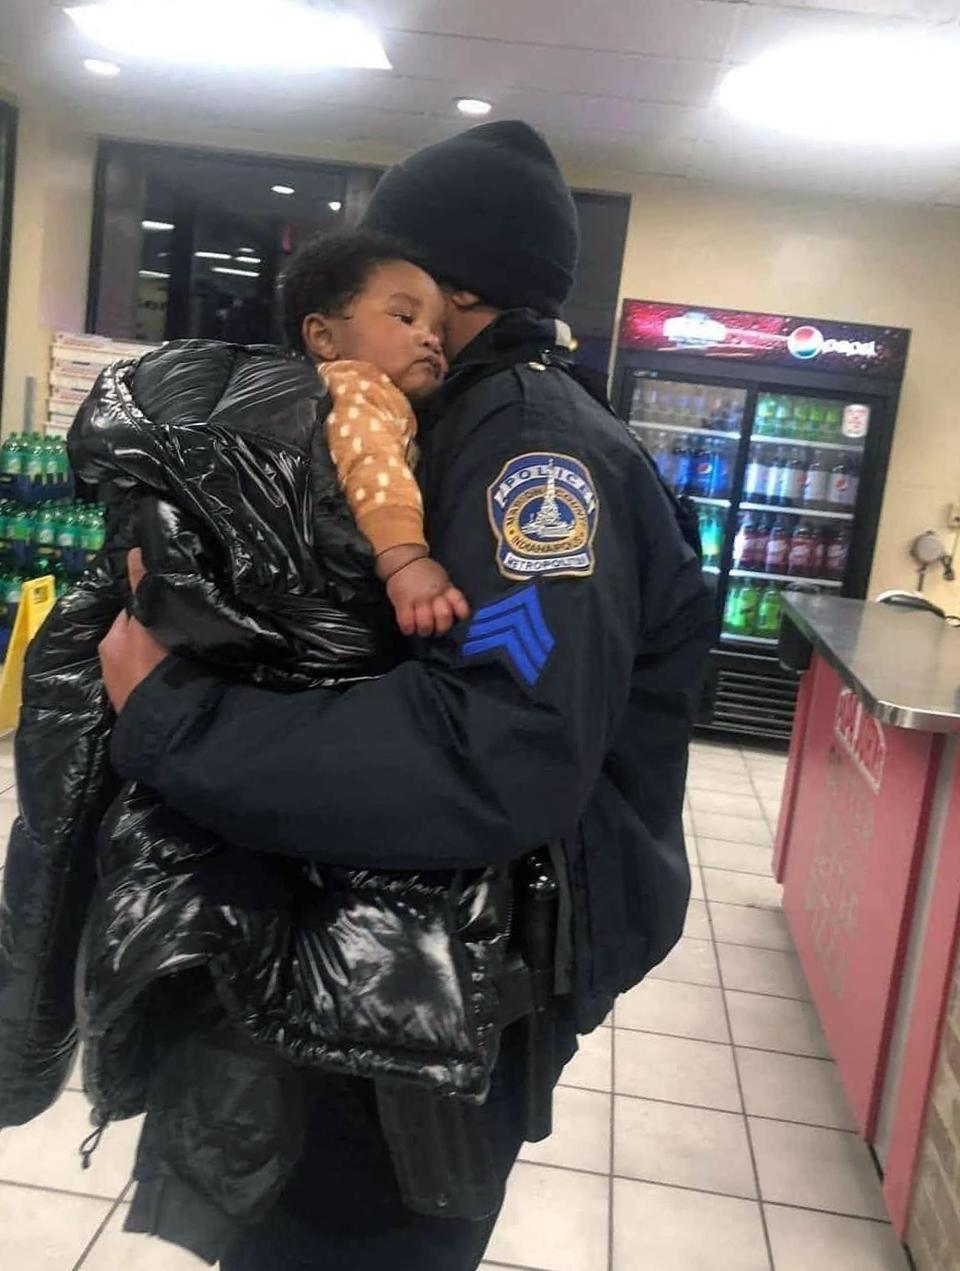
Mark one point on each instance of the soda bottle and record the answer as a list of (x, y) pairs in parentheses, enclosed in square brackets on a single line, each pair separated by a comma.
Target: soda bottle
[(33, 461), (63, 467), (734, 420), (660, 454), (761, 422), (815, 426), (749, 604), (11, 597), (665, 409), (758, 471), (68, 531), (643, 402), (10, 458), (801, 418), (704, 458), (701, 418), (711, 538), (790, 485), (45, 528), (800, 559), (815, 483), (775, 478), (843, 486), (51, 464), (832, 422), (778, 548), (743, 544), (681, 468), (61, 581), (731, 610), (760, 544), (838, 550), (818, 558), (768, 613), (722, 469), (782, 417)]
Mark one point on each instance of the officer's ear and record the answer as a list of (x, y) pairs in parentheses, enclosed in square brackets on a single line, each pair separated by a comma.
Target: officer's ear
[(319, 338), (464, 301)]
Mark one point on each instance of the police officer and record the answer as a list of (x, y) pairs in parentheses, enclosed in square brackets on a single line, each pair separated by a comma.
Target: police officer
[(558, 714)]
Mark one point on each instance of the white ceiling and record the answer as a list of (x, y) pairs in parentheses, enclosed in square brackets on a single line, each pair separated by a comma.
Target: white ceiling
[(622, 86)]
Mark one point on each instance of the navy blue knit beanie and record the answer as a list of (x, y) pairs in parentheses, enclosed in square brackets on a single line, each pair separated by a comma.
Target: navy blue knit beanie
[(491, 213)]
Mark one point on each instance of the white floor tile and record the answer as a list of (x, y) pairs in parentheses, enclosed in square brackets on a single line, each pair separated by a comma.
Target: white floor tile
[(738, 857), (816, 1169), (45, 1231), (677, 1069), (592, 1065), (696, 883), (735, 781), (768, 787), (801, 1240), (687, 1147), (735, 829), (668, 1229), (679, 1010), (726, 803), (749, 890), (554, 1220), (581, 1133), (740, 924), (762, 971), (46, 1152), (775, 1023), (697, 925), (793, 1089), (690, 962), (119, 1250)]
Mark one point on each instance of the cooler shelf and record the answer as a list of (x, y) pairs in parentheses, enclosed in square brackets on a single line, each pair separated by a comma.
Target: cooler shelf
[(683, 428), (747, 639), (807, 445), (785, 578), (711, 569), (775, 507), (713, 503)]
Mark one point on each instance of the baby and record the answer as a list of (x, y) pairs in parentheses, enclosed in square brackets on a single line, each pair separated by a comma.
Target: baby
[(372, 320)]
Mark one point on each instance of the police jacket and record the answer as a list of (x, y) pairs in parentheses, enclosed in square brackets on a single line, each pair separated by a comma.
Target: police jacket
[(559, 713), (190, 954)]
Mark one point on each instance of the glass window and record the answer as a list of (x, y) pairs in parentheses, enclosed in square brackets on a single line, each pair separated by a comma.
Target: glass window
[(8, 146), (192, 243)]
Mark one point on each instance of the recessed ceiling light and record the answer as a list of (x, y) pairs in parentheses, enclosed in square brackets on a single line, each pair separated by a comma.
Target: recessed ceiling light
[(246, 249), (240, 273), (247, 260), (879, 90), (289, 35), (213, 255), (157, 226), (283, 189), (475, 106), (96, 67), (152, 273), (334, 205)]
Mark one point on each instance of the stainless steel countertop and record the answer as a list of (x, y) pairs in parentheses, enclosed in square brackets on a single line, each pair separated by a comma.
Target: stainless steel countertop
[(903, 663)]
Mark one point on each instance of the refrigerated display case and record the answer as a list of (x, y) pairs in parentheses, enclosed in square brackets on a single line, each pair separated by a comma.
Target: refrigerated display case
[(778, 429)]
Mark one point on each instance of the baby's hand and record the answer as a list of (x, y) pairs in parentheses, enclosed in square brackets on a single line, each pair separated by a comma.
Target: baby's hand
[(424, 599)]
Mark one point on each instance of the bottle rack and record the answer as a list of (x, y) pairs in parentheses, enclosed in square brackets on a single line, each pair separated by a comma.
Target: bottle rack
[(848, 447), (801, 511), (686, 430), (785, 578)]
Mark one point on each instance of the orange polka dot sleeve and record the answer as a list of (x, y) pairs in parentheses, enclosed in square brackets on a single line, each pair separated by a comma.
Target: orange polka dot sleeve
[(370, 431)]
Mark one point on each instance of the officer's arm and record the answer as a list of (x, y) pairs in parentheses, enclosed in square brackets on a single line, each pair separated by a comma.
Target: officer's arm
[(485, 746)]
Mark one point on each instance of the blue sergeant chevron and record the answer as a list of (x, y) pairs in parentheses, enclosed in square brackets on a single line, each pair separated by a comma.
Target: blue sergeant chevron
[(512, 630)]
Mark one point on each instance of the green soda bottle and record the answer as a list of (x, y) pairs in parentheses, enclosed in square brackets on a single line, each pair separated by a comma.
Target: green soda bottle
[(10, 456), (768, 613), (68, 531), (45, 528), (21, 527), (731, 611), (747, 617), (51, 462), (60, 579), (33, 459), (13, 590)]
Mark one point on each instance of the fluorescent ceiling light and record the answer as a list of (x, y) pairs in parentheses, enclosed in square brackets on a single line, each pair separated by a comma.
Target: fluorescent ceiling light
[(246, 249), (334, 205), (283, 189), (881, 90), (152, 273), (213, 255), (288, 35), (246, 260), (473, 106), (96, 67), (157, 225), (240, 273)]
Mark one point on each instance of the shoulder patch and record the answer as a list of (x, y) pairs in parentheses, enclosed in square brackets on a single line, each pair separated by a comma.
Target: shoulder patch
[(514, 631), (544, 509)]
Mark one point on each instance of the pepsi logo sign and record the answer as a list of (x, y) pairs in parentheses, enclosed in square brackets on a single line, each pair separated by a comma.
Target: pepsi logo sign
[(808, 342)]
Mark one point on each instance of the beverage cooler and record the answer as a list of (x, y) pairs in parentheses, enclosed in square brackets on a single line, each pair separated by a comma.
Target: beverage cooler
[(779, 430)]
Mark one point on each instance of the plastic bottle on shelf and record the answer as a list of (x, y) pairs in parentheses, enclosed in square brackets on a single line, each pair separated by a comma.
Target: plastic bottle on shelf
[(731, 610), (832, 421), (838, 552), (818, 558), (660, 454), (782, 416), (775, 468), (844, 485), (769, 613), (763, 416), (800, 558), (758, 470), (734, 416), (778, 547), (45, 528), (722, 469), (816, 481), (13, 590), (702, 466), (681, 466), (790, 484), (815, 426), (711, 538), (760, 544), (744, 541), (10, 456), (801, 419), (749, 605), (699, 409)]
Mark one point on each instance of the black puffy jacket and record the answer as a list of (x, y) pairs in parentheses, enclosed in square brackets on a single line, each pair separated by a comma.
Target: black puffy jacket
[(213, 462)]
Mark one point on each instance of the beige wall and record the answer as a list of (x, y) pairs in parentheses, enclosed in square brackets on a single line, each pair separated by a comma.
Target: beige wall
[(878, 263), (52, 213), (875, 263)]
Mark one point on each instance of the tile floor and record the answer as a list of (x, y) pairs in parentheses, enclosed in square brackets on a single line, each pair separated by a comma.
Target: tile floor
[(705, 1130)]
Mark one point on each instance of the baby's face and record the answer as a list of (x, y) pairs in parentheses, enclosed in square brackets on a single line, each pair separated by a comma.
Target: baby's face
[(397, 324)]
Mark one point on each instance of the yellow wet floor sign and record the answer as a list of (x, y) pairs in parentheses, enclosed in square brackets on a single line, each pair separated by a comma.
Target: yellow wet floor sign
[(36, 600)]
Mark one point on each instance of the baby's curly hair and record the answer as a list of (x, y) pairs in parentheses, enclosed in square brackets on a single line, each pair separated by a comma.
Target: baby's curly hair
[(330, 270)]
